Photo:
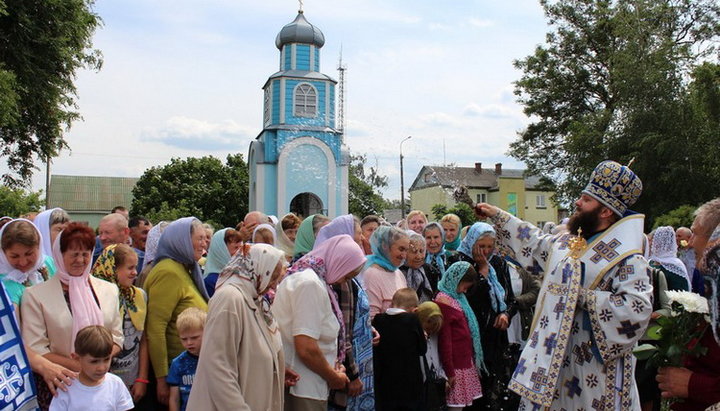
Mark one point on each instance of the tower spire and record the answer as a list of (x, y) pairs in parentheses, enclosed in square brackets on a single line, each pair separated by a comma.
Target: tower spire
[(300, 10), (341, 97)]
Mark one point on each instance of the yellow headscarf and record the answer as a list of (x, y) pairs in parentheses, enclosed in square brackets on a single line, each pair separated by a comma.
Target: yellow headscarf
[(427, 310), (131, 298)]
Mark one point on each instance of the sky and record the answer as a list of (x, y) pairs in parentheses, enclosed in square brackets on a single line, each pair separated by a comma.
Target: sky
[(183, 78)]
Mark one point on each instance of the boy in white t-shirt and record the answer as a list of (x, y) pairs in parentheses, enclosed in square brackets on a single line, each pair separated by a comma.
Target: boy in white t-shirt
[(95, 389)]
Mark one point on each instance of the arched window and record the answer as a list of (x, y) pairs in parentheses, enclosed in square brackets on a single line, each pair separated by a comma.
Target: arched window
[(305, 101)]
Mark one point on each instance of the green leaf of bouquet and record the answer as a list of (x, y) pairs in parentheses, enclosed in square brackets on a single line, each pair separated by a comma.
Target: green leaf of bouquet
[(654, 332), (644, 351)]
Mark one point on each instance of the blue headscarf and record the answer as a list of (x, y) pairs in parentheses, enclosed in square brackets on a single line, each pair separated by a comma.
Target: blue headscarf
[(176, 244), (380, 242), (218, 255), (449, 284), (497, 292), (437, 259)]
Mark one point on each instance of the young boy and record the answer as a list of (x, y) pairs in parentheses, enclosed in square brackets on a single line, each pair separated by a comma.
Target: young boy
[(95, 389), (398, 376), (190, 324)]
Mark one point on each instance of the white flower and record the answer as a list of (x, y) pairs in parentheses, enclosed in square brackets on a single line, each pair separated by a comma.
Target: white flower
[(691, 302)]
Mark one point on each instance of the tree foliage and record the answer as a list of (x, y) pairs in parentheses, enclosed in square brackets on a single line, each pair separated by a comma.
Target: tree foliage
[(682, 216), (462, 210), (42, 45), (363, 194), (16, 202), (202, 187), (623, 80)]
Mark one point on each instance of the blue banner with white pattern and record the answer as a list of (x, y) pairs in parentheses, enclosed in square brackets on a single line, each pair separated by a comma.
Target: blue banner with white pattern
[(17, 389)]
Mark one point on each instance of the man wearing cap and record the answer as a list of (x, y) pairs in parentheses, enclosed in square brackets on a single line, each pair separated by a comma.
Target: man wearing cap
[(595, 302)]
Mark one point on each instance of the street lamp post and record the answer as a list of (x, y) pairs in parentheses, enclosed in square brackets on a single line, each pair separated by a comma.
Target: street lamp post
[(402, 180)]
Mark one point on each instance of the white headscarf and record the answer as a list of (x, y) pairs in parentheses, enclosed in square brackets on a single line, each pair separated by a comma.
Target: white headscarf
[(12, 273), (283, 242), (663, 250), (266, 226), (42, 222)]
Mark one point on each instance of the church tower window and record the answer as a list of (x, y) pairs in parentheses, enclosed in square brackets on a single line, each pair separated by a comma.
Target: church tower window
[(305, 101)]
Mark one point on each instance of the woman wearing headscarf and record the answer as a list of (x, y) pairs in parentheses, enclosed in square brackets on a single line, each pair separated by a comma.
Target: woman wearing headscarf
[(314, 340), (416, 221), (223, 246), (305, 239), (22, 263), (419, 275), (54, 311), (493, 303), (451, 225), (435, 246), (286, 230), (151, 244), (353, 302), (241, 363), (663, 256), (264, 233), (174, 284), (382, 276), (117, 264), (50, 223)]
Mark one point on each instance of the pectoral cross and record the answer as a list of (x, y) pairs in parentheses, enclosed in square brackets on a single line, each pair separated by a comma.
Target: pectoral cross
[(577, 245)]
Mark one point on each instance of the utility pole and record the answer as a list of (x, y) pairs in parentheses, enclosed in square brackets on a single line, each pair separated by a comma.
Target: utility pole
[(402, 180)]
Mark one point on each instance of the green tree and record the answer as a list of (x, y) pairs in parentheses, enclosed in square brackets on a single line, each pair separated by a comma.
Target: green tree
[(462, 210), (202, 187), (16, 202), (682, 216), (363, 194), (42, 45), (618, 80)]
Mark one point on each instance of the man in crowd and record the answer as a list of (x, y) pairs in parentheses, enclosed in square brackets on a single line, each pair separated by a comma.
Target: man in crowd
[(122, 211), (139, 229), (113, 229), (595, 302), (686, 253), (249, 223)]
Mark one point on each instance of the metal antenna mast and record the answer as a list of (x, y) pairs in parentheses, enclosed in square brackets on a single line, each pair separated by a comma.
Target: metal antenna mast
[(341, 97)]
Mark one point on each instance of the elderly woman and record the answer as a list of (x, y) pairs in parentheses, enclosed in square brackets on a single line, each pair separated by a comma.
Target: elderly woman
[(241, 362), (305, 239), (151, 244), (174, 284), (419, 275), (223, 246), (50, 223), (493, 303), (451, 225), (435, 243), (314, 340), (416, 221), (382, 276), (286, 230), (344, 224), (54, 311)]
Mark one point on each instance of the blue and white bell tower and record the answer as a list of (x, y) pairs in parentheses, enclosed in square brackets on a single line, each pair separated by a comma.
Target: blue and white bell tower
[(298, 162)]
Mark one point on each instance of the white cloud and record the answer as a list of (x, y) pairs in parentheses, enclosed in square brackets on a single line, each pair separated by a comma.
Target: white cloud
[(193, 134), (480, 23), (492, 110)]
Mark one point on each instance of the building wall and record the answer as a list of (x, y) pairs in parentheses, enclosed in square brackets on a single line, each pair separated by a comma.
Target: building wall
[(537, 215), (91, 218), (425, 198), (511, 196)]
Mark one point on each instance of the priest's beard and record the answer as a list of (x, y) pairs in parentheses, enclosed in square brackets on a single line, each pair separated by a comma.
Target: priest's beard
[(587, 220)]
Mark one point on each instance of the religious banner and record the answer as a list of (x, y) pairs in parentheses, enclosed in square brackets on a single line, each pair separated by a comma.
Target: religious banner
[(17, 390)]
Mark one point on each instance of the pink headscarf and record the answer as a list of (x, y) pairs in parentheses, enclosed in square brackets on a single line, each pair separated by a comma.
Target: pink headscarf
[(335, 258), (85, 311)]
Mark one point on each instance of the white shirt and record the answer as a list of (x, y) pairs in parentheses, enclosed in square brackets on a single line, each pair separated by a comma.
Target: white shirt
[(110, 395), (302, 307)]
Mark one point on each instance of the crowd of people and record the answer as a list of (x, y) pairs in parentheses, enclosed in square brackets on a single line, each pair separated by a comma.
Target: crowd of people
[(354, 313)]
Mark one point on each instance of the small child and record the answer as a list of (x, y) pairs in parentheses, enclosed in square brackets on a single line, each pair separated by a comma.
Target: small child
[(431, 320), (398, 375), (190, 325), (460, 345), (95, 389)]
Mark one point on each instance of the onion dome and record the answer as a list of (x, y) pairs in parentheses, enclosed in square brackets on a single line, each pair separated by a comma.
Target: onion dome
[(300, 31)]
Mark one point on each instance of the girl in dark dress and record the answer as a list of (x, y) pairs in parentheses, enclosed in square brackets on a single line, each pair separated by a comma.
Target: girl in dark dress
[(493, 302)]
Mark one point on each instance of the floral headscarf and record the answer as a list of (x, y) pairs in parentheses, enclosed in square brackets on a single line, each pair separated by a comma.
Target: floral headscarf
[(448, 285), (251, 268), (152, 241), (331, 261), (131, 299)]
